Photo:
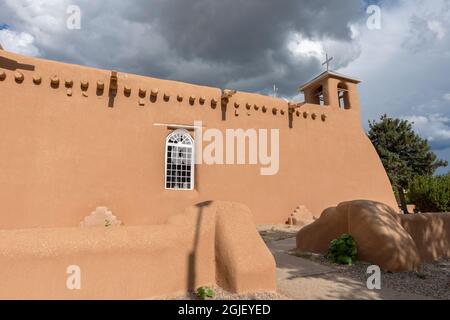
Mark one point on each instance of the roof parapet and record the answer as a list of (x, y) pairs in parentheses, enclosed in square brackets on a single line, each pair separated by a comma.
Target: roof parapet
[(326, 74)]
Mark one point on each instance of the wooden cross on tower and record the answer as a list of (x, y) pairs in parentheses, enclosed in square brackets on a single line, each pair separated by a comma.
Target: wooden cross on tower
[(327, 61)]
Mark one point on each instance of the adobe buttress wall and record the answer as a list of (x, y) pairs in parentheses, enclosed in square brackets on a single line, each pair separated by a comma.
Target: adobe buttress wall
[(139, 262), (67, 147)]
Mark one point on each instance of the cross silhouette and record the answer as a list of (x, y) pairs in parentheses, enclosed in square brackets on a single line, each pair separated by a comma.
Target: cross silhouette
[(327, 61)]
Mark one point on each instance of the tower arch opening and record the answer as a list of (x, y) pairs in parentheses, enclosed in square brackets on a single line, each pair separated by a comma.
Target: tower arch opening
[(343, 95)]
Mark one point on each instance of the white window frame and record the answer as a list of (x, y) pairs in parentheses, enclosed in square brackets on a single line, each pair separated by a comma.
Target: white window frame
[(191, 146)]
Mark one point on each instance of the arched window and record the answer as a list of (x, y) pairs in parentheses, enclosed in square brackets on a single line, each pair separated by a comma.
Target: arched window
[(180, 160)]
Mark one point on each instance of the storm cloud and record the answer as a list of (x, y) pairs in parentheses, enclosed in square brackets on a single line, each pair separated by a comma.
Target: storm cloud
[(252, 45), (243, 44)]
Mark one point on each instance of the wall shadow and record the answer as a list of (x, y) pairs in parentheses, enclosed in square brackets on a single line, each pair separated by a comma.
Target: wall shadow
[(224, 110), (99, 92), (13, 65), (291, 119), (193, 255), (111, 99), (113, 87)]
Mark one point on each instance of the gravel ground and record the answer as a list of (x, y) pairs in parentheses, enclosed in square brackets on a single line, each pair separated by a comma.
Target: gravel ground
[(432, 281), (277, 232)]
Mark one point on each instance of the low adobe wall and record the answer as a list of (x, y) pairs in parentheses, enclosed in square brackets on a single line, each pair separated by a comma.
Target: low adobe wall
[(393, 241), (139, 262), (431, 233)]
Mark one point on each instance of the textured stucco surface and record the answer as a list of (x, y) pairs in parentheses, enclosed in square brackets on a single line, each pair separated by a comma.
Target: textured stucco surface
[(431, 233), (139, 262), (64, 152), (393, 241)]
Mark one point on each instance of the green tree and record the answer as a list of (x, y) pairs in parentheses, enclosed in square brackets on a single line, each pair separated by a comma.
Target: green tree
[(430, 194), (404, 153)]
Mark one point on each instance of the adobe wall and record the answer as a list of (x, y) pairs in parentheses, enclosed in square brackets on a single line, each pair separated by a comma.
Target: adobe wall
[(62, 153), (139, 262), (395, 242), (430, 232)]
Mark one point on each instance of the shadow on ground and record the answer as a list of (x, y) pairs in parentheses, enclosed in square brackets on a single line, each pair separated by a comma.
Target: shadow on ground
[(303, 279)]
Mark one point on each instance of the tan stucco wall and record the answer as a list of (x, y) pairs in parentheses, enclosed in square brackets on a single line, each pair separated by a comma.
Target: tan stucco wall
[(139, 262), (395, 242), (430, 232), (62, 156)]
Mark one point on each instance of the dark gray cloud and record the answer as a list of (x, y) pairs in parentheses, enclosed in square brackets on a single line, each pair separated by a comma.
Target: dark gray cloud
[(253, 44), (237, 31), (221, 43)]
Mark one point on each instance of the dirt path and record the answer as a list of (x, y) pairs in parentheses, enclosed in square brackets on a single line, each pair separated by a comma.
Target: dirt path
[(302, 279)]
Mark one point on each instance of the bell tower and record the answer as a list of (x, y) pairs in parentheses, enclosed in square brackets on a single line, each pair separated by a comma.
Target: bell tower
[(332, 89)]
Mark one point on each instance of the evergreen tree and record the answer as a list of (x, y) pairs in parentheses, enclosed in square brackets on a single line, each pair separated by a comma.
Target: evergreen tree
[(403, 152)]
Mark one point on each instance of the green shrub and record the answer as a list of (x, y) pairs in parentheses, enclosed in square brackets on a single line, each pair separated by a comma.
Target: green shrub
[(421, 275), (342, 250), (204, 293), (430, 194)]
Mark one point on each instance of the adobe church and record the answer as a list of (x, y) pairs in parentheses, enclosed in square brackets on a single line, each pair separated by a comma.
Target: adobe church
[(75, 138)]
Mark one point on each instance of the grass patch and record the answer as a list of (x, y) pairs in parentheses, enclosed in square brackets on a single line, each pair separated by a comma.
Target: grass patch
[(204, 293), (302, 254)]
